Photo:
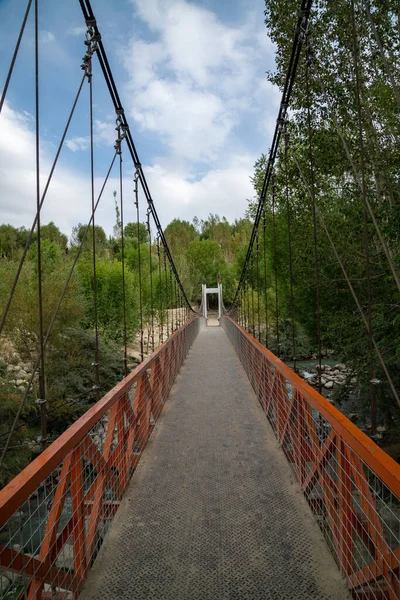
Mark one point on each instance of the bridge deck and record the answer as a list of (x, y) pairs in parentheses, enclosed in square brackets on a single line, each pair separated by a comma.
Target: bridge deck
[(213, 511)]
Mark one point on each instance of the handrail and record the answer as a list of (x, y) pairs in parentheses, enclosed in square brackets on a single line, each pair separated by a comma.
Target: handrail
[(351, 485), (56, 512), (17, 491), (376, 458)]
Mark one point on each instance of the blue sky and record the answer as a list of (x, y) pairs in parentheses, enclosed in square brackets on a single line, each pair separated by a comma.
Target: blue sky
[(191, 77)]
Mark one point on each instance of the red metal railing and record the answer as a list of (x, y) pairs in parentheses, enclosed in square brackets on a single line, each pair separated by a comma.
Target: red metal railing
[(351, 485), (55, 513)]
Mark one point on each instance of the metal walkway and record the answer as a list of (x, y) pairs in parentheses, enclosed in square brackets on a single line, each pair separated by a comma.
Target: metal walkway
[(213, 511)]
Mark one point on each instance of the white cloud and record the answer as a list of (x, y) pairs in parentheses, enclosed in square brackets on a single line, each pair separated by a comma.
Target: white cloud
[(191, 88), (104, 135), (78, 143), (46, 37), (197, 81), (68, 200), (221, 190), (77, 31), (176, 193)]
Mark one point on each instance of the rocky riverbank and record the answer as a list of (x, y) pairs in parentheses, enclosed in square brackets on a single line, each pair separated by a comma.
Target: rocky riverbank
[(330, 376)]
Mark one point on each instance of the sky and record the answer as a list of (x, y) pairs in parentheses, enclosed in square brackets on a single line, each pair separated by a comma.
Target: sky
[(191, 75)]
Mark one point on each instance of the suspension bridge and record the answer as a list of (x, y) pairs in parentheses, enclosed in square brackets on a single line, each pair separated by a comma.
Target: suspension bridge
[(212, 470)]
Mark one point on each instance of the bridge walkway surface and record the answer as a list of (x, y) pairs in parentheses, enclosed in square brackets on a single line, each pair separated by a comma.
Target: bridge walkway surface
[(213, 510)]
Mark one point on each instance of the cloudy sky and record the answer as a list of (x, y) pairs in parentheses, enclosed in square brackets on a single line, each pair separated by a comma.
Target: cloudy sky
[(191, 77)]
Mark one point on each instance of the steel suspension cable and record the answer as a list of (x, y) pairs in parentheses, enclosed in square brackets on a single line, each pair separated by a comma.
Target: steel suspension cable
[(265, 274), (121, 135), (160, 319), (298, 41), (15, 54), (42, 373), (258, 286), (136, 191), (246, 305), (275, 269), (253, 326), (151, 279), (166, 292), (365, 220), (105, 67), (314, 217), (29, 239), (54, 316), (89, 73), (289, 231), (347, 278), (172, 298)]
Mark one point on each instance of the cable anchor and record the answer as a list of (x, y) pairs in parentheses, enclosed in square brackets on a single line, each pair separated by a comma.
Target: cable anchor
[(121, 129), (302, 28), (136, 179), (91, 41)]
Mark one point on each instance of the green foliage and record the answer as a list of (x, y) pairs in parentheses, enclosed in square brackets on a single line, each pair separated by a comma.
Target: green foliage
[(131, 231), (83, 234), (70, 374), (109, 297), (337, 191), (52, 233)]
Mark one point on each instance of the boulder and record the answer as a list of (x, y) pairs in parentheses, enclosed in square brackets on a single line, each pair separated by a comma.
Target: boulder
[(4, 584), (328, 385), (65, 560)]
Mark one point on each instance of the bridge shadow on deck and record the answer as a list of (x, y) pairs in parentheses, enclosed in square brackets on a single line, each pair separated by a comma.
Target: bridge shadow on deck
[(213, 510)]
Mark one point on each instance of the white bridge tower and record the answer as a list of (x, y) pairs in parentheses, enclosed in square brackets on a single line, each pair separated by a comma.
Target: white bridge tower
[(205, 291)]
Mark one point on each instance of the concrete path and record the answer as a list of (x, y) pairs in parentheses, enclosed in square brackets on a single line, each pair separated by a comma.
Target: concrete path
[(213, 511)]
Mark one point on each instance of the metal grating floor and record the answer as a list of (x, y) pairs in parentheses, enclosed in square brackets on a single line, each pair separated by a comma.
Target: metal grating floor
[(213, 511)]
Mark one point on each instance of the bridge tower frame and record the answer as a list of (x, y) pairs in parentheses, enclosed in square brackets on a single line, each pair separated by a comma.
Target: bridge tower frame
[(204, 292)]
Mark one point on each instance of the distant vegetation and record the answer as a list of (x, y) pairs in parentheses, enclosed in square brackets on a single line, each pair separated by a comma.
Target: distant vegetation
[(202, 250)]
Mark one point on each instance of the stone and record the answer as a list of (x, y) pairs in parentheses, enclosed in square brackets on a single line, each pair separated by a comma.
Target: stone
[(381, 428), (20, 382), (12, 577), (353, 380), (4, 584), (65, 560), (328, 385)]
